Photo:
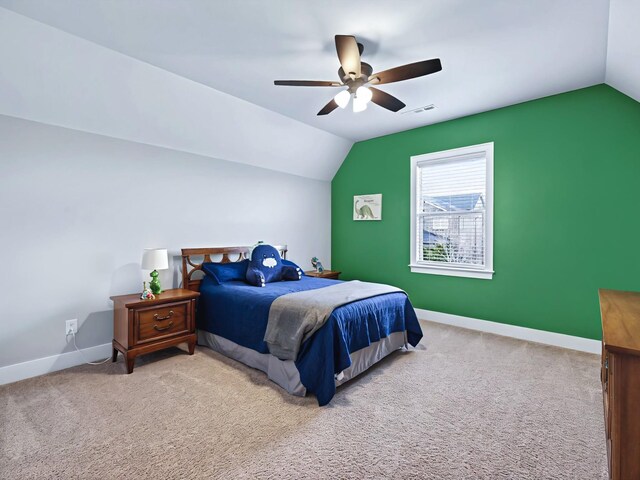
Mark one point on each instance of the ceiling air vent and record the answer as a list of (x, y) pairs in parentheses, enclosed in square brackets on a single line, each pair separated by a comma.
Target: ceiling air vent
[(420, 109)]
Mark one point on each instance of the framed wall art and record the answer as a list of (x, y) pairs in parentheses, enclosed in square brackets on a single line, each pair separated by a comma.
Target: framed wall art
[(367, 207)]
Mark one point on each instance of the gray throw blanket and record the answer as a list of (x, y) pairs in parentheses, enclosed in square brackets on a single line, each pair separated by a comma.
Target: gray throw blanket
[(294, 317)]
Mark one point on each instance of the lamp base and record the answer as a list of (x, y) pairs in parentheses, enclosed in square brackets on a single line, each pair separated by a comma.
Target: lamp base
[(154, 284)]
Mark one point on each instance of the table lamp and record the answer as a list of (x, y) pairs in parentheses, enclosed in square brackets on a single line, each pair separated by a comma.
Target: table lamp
[(155, 259)]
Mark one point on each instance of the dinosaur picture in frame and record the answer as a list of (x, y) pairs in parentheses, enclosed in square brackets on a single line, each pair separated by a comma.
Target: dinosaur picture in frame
[(367, 207)]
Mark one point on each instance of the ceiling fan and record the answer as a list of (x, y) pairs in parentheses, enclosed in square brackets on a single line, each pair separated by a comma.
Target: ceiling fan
[(358, 77)]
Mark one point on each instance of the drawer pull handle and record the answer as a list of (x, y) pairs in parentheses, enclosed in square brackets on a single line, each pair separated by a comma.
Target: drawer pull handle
[(164, 318), (162, 329)]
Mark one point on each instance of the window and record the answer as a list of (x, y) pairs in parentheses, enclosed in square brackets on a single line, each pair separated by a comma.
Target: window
[(452, 212)]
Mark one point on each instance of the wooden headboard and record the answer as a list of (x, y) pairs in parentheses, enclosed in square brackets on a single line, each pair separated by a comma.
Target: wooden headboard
[(190, 266)]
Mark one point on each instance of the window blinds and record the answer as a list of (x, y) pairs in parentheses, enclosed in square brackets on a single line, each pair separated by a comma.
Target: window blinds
[(452, 211)]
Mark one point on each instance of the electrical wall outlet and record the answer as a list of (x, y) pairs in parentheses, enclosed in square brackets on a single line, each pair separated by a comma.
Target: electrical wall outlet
[(71, 326)]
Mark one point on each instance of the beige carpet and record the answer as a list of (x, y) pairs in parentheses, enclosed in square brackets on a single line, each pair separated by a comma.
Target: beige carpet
[(465, 405)]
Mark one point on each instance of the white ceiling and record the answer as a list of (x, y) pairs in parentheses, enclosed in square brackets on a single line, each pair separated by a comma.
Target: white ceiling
[(494, 53)]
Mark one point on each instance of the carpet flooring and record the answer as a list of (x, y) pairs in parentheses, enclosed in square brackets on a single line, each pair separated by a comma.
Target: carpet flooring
[(463, 405)]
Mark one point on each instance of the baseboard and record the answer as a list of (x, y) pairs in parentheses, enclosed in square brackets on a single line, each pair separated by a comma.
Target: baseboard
[(40, 366), (522, 333)]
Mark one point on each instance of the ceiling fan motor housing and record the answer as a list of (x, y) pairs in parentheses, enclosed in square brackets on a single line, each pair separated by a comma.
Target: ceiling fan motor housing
[(354, 82)]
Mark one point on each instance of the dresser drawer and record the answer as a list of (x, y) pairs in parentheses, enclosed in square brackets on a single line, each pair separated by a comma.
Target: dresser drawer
[(607, 415), (606, 392), (157, 322)]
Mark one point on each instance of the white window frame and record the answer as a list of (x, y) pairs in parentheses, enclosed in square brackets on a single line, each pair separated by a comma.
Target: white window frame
[(419, 266)]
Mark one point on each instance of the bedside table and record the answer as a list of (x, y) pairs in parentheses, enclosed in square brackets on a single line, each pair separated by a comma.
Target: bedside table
[(144, 326), (332, 274)]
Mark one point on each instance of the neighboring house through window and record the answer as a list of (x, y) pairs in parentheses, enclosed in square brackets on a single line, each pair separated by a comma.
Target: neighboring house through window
[(452, 212)]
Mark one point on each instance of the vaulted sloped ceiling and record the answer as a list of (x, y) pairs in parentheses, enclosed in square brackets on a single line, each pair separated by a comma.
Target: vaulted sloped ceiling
[(53, 77), (623, 49), (197, 75)]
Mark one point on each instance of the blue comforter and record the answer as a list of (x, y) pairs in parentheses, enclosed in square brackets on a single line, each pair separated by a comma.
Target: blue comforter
[(239, 312)]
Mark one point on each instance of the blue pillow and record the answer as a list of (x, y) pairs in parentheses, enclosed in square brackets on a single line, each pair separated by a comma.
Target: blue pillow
[(226, 272), (289, 263)]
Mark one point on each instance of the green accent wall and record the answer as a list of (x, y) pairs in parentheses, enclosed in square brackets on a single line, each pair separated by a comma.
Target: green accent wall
[(567, 211)]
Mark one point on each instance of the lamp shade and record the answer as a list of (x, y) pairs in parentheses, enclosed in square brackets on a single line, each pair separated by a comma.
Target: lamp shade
[(155, 259)]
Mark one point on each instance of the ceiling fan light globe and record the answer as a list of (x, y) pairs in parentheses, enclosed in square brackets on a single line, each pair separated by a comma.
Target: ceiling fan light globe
[(359, 105), (364, 94), (342, 98)]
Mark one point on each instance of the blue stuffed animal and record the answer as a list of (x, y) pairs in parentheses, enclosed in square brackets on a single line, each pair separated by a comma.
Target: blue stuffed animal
[(266, 266)]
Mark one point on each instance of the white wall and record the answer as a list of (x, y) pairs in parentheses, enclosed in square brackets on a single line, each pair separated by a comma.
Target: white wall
[(53, 77), (623, 49), (76, 210)]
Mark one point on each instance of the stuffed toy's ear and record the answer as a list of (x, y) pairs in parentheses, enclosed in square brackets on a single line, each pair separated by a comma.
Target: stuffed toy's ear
[(255, 277), (291, 273)]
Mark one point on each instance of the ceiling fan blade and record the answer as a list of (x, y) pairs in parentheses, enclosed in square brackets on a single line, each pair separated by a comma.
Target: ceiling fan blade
[(385, 100), (307, 83), (405, 72), (328, 108), (348, 54)]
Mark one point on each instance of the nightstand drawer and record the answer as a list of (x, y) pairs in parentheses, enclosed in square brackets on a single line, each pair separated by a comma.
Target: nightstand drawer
[(156, 322)]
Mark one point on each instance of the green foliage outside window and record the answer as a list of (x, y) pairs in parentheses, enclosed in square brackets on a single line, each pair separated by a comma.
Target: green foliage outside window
[(434, 253)]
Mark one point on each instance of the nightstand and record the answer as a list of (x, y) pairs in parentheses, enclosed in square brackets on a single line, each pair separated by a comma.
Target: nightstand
[(334, 275), (144, 326)]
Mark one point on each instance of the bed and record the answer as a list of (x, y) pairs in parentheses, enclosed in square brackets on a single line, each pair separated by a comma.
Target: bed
[(232, 319)]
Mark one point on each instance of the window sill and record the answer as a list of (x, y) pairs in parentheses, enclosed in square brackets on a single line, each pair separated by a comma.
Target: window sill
[(452, 271)]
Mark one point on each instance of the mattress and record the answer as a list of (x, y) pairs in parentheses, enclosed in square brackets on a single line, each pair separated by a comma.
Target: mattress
[(238, 313), (284, 372)]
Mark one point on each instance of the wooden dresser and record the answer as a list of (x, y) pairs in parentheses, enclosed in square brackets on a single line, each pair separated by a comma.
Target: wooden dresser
[(620, 375)]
